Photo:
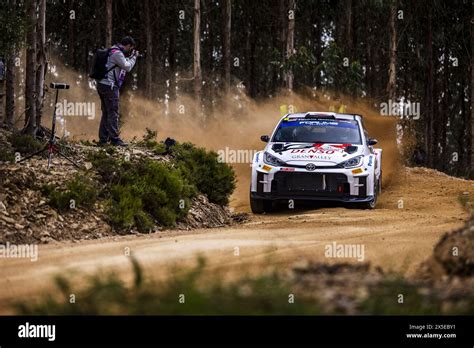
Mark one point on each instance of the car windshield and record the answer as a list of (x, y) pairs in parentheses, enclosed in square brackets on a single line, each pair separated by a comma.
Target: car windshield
[(318, 131)]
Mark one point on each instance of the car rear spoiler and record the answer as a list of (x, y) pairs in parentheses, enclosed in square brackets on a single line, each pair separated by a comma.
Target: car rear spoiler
[(330, 117), (353, 115)]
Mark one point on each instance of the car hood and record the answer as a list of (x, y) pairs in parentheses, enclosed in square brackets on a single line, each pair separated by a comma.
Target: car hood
[(318, 154)]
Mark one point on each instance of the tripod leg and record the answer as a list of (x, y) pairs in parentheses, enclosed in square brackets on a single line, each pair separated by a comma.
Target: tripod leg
[(50, 159), (70, 160), (33, 154)]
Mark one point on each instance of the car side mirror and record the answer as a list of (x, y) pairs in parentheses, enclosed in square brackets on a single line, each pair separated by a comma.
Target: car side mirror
[(265, 138), (372, 141)]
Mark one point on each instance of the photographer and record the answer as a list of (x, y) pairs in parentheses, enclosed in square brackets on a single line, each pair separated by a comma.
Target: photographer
[(121, 59)]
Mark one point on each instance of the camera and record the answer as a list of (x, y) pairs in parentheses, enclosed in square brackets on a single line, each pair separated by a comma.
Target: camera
[(140, 54)]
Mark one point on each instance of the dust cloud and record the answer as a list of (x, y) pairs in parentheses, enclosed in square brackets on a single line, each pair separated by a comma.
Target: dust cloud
[(235, 121)]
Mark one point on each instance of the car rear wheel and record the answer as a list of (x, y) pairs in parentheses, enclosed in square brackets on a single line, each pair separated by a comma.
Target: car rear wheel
[(260, 206)]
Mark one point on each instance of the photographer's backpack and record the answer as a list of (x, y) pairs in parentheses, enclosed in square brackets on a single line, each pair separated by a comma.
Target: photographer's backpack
[(99, 62)]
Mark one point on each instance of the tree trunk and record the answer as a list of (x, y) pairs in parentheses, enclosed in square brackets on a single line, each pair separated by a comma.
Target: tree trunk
[(108, 15), (30, 73), (98, 9), (464, 164), (315, 21), (444, 109), (290, 44), (251, 45), (283, 23), (71, 46), (472, 89), (429, 92), (197, 50), (368, 56), (172, 53), (392, 73), (40, 60), (2, 94), (227, 17), (349, 44), (10, 91), (149, 51)]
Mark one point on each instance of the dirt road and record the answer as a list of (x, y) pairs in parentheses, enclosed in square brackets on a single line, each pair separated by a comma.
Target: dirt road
[(412, 214)]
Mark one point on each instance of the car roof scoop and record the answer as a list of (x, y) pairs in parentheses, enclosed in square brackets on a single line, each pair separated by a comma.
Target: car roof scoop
[(277, 147)]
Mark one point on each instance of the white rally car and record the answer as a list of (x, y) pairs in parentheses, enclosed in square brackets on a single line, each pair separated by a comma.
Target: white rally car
[(317, 156)]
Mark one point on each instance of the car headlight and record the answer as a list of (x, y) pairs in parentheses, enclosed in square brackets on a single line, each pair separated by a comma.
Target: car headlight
[(353, 162), (270, 159)]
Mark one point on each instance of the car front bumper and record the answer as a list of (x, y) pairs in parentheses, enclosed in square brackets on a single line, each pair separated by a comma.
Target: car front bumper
[(345, 199), (335, 184)]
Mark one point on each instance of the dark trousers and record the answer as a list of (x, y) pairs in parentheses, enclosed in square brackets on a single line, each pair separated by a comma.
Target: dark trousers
[(109, 122)]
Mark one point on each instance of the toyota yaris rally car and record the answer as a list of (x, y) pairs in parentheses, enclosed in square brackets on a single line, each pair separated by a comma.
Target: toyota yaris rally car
[(317, 156)]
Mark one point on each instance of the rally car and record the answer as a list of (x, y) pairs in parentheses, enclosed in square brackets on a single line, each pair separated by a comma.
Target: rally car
[(317, 156)]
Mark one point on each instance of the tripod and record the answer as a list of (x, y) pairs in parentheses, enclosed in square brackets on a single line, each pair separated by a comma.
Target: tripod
[(52, 147)]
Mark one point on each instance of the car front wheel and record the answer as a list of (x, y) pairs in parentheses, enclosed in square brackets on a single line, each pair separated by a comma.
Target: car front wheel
[(372, 203), (260, 206)]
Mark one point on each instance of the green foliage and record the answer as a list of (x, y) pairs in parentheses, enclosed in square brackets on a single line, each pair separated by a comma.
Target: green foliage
[(208, 294), (104, 163), (126, 211), (202, 168), (80, 190), (12, 27), (6, 155), (106, 294), (346, 79), (86, 142), (302, 59), (385, 300), (150, 135), (25, 143), (149, 141), (159, 149), (466, 201), (143, 192)]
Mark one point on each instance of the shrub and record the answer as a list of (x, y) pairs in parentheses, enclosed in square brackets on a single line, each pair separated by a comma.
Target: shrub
[(6, 155), (202, 168), (80, 190), (86, 142), (143, 191), (126, 210), (149, 139), (384, 300), (105, 164), (159, 149), (107, 294), (24, 143), (148, 189)]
